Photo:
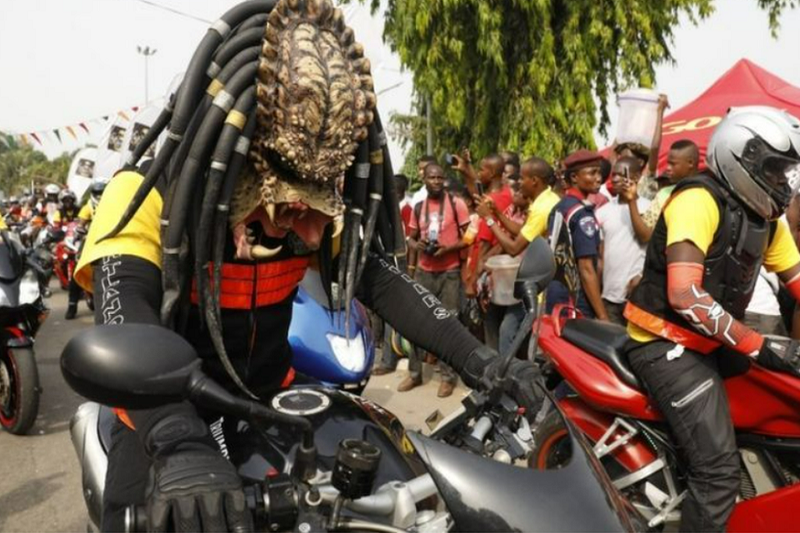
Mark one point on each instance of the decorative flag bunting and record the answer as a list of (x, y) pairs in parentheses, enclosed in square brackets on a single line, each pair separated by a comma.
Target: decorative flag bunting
[(89, 127)]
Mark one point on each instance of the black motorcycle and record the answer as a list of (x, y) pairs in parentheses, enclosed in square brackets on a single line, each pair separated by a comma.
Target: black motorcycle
[(318, 459), (22, 312)]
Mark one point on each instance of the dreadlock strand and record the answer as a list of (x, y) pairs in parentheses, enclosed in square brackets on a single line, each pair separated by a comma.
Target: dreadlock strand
[(234, 124), (235, 167), (375, 191), (187, 98), (191, 171)]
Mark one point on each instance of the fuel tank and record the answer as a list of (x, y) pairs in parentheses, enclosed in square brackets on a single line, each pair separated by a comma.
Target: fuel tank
[(335, 415)]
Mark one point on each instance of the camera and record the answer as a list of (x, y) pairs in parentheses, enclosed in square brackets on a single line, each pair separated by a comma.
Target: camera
[(431, 247), (449, 159)]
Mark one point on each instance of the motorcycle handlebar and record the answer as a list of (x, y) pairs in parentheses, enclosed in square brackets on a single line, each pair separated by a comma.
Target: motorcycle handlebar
[(382, 503)]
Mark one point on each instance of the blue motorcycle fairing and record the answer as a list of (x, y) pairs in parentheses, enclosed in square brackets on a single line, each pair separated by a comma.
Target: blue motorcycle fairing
[(312, 353)]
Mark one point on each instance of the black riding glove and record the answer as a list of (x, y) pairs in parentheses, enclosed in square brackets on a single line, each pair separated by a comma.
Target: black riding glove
[(196, 490), (191, 487), (480, 372), (780, 354)]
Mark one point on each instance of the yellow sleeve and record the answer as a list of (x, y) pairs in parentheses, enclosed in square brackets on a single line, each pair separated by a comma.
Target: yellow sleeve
[(57, 217), (535, 224), (3, 223), (141, 237), (538, 213), (782, 253), (85, 213), (692, 216)]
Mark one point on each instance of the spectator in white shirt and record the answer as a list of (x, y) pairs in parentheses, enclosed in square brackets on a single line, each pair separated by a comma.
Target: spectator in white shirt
[(623, 254)]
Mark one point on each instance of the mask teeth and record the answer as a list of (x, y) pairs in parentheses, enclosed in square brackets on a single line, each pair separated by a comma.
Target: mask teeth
[(270, 208)]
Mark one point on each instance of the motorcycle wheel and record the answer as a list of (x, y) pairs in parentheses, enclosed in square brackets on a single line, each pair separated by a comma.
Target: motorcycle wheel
[(553, 448), (19, 390)]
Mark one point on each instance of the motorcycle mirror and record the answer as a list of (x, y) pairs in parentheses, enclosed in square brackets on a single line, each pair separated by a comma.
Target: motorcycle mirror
[(536, 271), (133, 366)]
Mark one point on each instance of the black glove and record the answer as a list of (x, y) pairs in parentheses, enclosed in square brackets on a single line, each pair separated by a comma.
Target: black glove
[(191, 487), (481, 369), (780, 354), (196, 490)]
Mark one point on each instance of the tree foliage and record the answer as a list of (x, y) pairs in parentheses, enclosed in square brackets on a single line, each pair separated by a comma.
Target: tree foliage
[(530, 75), (20, 165)]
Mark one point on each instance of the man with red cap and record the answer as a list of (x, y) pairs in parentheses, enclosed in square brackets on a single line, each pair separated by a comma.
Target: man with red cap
[(583, 176)]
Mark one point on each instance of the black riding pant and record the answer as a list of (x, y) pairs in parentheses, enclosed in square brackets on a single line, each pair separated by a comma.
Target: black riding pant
[(688, 389)]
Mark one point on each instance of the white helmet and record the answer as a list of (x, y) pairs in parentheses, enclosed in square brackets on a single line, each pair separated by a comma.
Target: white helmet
[(755, 151), (52, 189)]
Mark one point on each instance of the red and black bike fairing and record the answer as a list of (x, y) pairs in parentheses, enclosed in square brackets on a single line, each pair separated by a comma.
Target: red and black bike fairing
[(761, 401)]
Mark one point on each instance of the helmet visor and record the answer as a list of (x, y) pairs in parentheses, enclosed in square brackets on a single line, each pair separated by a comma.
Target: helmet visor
[(775, 172)]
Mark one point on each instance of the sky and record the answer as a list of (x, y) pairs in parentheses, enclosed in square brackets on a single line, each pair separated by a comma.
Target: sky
[(70, 61)]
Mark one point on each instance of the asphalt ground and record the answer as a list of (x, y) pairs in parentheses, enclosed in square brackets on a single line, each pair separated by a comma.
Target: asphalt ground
[(40, 479)]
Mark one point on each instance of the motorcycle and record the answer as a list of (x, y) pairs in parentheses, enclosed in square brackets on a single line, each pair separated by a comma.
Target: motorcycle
[(313, 458), (67, 252), (605, 400), (22, 312), (321, 347)]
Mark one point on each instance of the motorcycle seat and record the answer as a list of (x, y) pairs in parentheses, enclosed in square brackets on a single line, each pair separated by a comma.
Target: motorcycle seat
[(603, 340)]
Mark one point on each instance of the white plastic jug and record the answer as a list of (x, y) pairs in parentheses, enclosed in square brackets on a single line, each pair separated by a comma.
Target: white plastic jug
[(638, 111), (504, 272)]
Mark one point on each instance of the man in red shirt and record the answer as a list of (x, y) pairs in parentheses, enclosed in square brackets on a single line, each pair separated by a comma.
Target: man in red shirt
[(434, 246), (487, 181)]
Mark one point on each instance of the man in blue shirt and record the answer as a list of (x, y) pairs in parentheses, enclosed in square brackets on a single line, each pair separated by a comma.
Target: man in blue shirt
[(580, 237)]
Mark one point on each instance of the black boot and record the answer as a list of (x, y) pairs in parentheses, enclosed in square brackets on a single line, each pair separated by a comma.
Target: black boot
[(72, 310)]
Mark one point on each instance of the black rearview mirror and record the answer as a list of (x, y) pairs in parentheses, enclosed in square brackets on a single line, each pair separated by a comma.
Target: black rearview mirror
[(536, 271), (134, 366)]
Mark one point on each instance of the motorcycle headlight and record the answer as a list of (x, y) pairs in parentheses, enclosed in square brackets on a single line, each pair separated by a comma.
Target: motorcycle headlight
[(350, 353), (28, 288)]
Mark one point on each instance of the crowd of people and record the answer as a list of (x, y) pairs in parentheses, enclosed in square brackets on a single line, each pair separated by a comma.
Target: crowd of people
[(608, 206), (55, 209)]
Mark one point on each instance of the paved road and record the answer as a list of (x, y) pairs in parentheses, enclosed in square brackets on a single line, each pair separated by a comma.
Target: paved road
[(40, 483)]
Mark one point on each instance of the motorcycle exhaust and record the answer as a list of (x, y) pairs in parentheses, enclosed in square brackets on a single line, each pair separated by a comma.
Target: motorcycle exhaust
[(83, 428)]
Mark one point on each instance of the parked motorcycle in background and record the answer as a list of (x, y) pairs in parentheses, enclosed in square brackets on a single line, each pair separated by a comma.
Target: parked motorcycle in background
[(22, 312)]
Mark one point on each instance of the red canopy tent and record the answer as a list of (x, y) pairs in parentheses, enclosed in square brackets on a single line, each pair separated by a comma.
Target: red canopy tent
[(744, 84)]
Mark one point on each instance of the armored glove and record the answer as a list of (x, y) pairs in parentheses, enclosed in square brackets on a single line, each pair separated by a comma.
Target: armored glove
[(780, 354), (483, 365), (191, 487), (196, 490)]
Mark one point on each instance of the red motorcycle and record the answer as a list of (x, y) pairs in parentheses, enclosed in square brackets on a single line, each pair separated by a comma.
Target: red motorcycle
[(600, 394), (66, 252)]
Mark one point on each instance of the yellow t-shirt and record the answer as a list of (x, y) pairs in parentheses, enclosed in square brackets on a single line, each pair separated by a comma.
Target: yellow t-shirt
[(693, 216), (3, 223), (538, 212), (140, 237), (86, 212)]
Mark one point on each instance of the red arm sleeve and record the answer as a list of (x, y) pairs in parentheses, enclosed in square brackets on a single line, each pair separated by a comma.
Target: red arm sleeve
[(688, 297)]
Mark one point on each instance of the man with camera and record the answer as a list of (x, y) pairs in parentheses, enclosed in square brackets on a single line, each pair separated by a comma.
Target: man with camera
[(434, 246)]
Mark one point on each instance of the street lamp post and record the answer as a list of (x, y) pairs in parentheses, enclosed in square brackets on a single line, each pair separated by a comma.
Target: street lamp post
[(146, 52)]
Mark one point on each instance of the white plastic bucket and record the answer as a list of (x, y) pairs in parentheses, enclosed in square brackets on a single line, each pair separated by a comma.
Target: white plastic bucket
[(638, 112), (504, 272)]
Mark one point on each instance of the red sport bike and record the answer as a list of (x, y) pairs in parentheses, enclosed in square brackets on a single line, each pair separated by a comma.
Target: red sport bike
[(66, 252), (598, 392)]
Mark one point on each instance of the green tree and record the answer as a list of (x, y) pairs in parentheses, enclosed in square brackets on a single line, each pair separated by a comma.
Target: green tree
[(21, 164), (530, 75)]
